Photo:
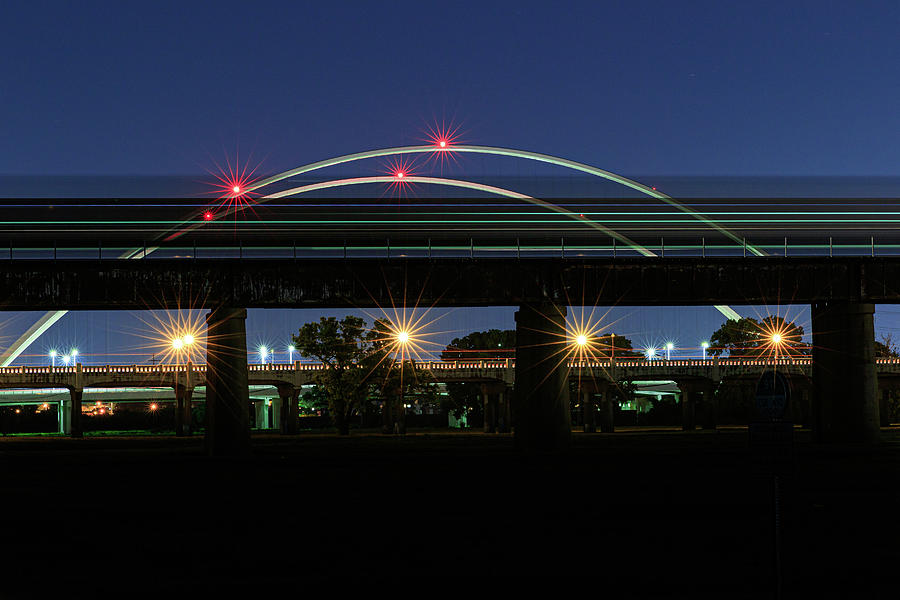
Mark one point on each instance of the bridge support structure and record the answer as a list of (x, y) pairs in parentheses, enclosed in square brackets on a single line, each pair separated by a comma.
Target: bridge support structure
[(543, 421), (697, 393), (183, 410), (289, 397), (887, 385), (227, 393), (592, 391), (495, 404), (184, 394), (845, 382)]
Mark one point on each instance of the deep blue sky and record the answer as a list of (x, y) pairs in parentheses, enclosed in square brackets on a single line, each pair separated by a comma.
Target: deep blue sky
[(655, 87)]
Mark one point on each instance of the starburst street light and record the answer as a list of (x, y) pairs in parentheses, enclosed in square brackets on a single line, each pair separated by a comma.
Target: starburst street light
[(53, 358), (704, 346), (263, 353), (291, 349), (650, 353), (66, 359), (669, 347), (403, 337), (581, 340)]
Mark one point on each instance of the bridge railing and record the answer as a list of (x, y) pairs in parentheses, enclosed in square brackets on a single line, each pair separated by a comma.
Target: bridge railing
[(507, 363), (566, 248)]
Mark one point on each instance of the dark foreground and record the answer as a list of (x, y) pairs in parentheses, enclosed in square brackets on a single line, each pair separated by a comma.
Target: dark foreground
[(634, 512)]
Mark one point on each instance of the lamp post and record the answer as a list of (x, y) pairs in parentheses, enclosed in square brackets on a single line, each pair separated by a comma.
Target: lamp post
[(53, 358), (291, 349), (704, 346), (669, 347), (263, 353), (74, 355)]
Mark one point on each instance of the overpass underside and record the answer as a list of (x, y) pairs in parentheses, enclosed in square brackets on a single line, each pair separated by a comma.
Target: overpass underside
[(841, 290)]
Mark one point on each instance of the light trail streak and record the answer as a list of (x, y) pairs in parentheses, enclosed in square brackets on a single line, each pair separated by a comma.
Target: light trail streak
[(509, 152)]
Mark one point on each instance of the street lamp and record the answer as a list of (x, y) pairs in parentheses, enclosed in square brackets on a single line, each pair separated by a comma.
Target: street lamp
[(704, 345), (669, 347), (66, 359), (53, 358), (651, 353), (74, 354), (581, 340), (291, 350), (263, 353)]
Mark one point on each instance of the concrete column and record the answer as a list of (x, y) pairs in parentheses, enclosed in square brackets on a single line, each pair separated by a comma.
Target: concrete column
[(709, 418), (64, 417), (845, 382), (884, 412), (288, 395), (275, 413), (588, 411), (503, 412), (541, 387), (688, 410), (74, 414), (261, 412), (490, 415), (183, 410), (608, 400), (227, 394)]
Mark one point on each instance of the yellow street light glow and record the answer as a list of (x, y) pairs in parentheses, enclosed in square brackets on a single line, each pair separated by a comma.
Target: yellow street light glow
[(188, 340), (776, 338), (581, 340), (177, 344), (403, 337)]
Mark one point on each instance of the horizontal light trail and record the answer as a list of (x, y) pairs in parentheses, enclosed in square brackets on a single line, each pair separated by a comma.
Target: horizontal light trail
[(509, 152)]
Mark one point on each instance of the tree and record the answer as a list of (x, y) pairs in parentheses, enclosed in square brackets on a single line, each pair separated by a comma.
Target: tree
[(886, 348), (611, 344), (313, 401), (343, 347), (482, 345), (749, 338)]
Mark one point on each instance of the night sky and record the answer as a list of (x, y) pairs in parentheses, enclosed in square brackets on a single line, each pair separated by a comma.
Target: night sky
[(665, 88)]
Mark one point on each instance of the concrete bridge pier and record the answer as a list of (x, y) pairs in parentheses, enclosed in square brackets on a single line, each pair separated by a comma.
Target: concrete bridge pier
[(495, 407), (845, 381), (489, 407), (227, 394), (588, 411), (261, 410), (609, 398), (183, 410), (504, 410), (289, 397), (692, 391), (71, 414), (591, 390), (541, 388), (709, 413), (274, 405)]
